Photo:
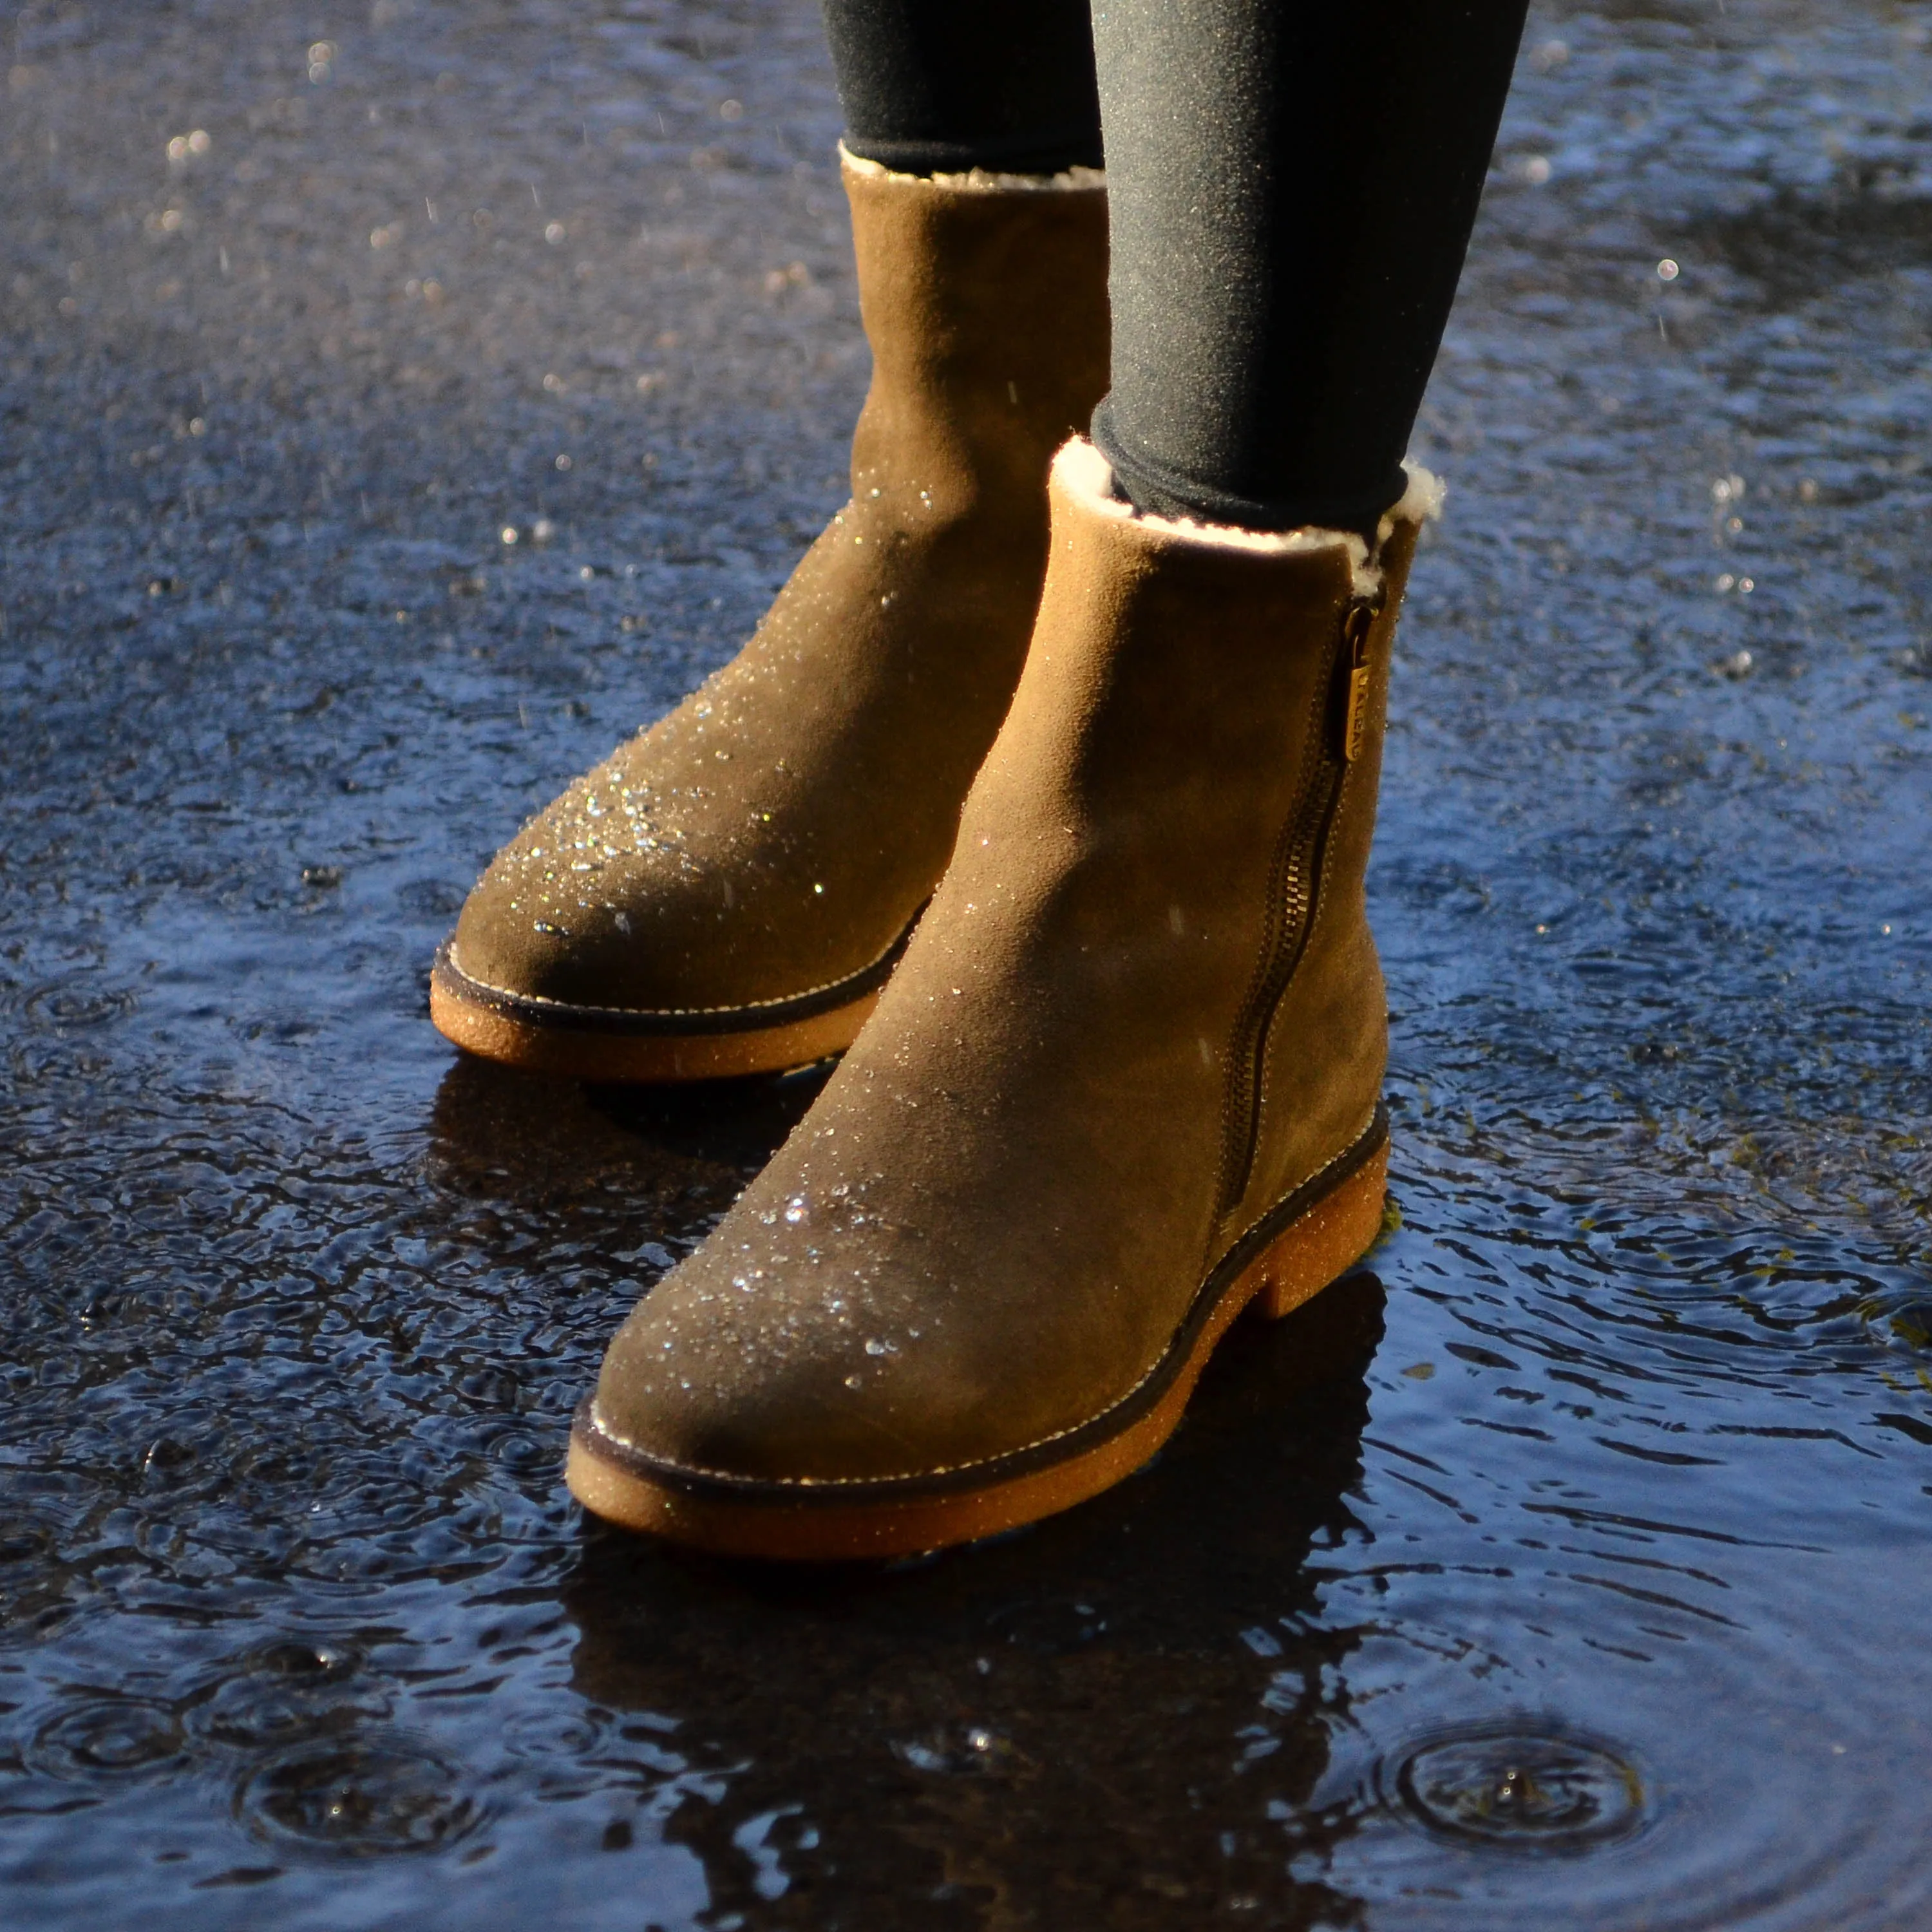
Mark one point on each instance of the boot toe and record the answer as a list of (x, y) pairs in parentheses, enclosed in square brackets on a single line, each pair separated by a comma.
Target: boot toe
[(580, 910), (810, 1399), (518, 934)]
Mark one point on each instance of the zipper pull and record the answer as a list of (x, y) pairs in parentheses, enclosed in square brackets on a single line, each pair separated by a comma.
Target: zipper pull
[(1356, 625)]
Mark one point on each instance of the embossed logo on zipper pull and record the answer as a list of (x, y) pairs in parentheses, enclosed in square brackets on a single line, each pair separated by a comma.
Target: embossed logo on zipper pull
[(1355, 628)]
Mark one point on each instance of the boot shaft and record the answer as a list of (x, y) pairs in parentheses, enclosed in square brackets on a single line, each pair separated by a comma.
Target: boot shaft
[(1213, 701), (985, 307)]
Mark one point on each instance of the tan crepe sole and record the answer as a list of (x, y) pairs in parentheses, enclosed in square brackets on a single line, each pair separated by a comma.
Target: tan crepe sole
[(492, 1034), (1313, 1250)]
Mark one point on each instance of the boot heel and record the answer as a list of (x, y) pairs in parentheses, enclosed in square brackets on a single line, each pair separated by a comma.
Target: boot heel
[(1324, 1244)]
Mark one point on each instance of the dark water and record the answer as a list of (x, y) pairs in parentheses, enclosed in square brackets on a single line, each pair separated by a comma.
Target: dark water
[(1569, 1567)]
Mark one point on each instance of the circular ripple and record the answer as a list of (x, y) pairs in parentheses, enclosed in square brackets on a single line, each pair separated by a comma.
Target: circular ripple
[(374, 1797), (1777, 1782), (111, 1738), (72, 1006), (552, 1734), (310, 1663), (521, 1451), (286, 1691), (1521, 1788)]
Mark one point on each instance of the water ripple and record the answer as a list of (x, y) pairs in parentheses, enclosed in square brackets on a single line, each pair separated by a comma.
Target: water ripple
[(380, 1794)]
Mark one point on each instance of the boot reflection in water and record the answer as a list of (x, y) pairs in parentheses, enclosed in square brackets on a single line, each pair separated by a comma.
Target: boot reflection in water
[(1124, 1079), (1130, 1624)]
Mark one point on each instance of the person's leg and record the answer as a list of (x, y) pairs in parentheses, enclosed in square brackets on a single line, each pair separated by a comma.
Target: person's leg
[(1292, 187), (727, 892), (943, 86), (1126, 1080)]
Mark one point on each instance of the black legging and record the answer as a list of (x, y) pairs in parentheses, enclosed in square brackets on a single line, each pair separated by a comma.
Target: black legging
[(940, 86), (1291, 185)]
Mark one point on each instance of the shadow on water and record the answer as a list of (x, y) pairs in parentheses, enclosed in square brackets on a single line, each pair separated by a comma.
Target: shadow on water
[(494, 1133), (1797, 247), (904, 1731)]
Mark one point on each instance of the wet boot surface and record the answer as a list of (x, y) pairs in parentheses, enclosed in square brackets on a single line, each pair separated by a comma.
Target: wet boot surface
[(1587, 1517), (727, 893)]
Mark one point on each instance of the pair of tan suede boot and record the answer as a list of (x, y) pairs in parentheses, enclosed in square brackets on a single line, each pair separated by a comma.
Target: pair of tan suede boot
[(1057, 816)]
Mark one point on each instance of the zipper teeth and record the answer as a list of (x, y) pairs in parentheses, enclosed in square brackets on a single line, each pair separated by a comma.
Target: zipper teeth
[(1294, 901), (1291, 914)]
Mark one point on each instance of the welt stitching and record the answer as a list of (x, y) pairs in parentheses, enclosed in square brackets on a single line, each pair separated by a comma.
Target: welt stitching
[(687, 1013)]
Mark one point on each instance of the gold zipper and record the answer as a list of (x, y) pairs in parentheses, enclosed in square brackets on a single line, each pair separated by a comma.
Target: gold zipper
[(1356, 625), (1336, 744)]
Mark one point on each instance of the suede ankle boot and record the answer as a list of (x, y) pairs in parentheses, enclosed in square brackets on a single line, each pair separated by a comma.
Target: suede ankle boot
[(727, 893), (1125, 1082)]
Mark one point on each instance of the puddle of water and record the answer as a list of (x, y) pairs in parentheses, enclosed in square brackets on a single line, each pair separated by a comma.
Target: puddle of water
[(1556, 1568)]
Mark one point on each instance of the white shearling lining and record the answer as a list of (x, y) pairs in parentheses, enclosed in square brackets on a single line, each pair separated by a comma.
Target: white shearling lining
[(1083, 473), (979, 181), (1421, 503)]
